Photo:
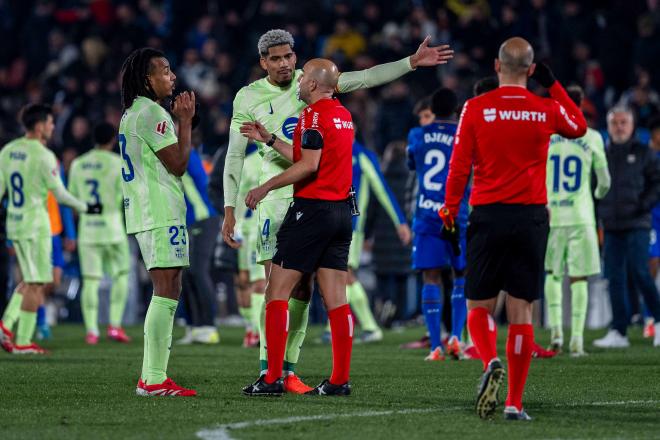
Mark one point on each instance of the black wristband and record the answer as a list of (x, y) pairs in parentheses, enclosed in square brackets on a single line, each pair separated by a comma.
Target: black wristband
[(272, 140)]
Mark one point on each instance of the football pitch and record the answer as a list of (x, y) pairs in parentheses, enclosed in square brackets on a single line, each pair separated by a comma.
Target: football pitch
[(83, 392)]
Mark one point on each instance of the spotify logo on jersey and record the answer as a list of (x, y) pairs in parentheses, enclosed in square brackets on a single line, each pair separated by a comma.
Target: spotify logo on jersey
[(289, 126)]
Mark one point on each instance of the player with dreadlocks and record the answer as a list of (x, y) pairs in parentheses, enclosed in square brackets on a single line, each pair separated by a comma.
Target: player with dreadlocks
[(154, 159)]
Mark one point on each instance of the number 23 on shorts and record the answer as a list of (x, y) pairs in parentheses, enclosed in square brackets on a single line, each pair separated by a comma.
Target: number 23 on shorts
[(177, 235)]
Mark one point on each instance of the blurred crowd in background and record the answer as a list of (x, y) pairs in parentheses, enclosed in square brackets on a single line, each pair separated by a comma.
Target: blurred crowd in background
[(69, 53)]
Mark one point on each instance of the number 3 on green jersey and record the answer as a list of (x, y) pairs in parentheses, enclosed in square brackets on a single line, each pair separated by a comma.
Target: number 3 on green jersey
[(153, 197)]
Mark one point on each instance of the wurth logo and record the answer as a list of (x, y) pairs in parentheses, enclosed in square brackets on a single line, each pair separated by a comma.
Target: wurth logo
[(522, 115), (339, 124), (161, 128), (490, 114)]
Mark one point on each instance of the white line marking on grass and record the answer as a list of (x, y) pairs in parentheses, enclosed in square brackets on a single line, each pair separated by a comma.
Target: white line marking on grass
[(221, 432)]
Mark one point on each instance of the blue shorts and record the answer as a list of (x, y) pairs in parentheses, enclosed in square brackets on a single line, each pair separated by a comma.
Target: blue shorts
[(431, 252), (58, 255), (654, 244)]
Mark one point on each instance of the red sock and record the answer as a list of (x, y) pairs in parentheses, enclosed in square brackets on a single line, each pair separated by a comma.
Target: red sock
[(277, 328), (341, 330), (519, 345), (483, 332)]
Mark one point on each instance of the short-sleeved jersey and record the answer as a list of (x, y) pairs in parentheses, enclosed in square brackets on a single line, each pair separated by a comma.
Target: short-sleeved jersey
[(332, 180), (28, 170), (278, 109), (502, 138), (429, 150), (95, 177), (568, 178), (153, 197)]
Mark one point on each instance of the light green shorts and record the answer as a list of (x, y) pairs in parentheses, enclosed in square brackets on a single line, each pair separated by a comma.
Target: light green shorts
[(355, 251), (270, 215), (35, 259), (247, 254), (164, 247), (97, 259), (575, 247)]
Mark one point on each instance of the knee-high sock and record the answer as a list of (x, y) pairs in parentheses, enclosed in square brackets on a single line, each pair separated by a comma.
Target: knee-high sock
[(27, 321), (246, 314), (41, 316), (118, 297), (158, 338), (432, 308), (553, 295), (359, 302), (519, 355), (263, 356), (298, 317), (12, 310), (579, 303), (341, 322), (483, 332), (89, 303), (277, 328), (257, 301), (458, 307)]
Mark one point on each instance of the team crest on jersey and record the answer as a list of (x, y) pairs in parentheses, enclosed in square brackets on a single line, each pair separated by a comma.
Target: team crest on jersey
[(289, 126), (161, 128), (490, 114)]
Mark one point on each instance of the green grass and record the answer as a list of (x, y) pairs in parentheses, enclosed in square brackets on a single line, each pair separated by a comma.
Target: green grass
[(88, 392)]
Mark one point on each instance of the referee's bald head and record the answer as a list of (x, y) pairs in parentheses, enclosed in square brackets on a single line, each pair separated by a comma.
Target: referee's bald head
[(515, 57)]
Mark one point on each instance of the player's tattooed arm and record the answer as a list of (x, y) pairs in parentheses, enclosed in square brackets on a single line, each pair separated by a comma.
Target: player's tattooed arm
[(255, 130), (175, 157), (425, 56)]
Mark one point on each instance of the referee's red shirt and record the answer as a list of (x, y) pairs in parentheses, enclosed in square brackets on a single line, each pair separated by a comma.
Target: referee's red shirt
[(505, 135), (333, 179)]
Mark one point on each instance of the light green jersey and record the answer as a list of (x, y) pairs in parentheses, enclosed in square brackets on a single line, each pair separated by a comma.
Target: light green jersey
[(277, 108), (95, 177), (249, 179), (153, 197), (568, 180), (28, 170)]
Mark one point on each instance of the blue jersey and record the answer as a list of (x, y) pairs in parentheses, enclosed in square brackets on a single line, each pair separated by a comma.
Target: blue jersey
[(655, 213), (195, 184), (368, 178), (429, 150)]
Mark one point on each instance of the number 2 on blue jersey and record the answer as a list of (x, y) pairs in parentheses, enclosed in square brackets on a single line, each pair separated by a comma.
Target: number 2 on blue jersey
[(130, 174), (571, 169), (438, 160)]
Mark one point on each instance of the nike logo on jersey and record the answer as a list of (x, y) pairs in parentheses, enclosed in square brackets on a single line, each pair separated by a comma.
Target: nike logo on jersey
[(271, 108), (298, 215)]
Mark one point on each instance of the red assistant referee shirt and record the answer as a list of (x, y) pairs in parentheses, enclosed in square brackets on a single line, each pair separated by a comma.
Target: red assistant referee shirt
[(505, 135), (333, 122)]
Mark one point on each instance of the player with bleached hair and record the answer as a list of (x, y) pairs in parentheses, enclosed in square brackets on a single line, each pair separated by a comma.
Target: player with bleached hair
[(273, 101)]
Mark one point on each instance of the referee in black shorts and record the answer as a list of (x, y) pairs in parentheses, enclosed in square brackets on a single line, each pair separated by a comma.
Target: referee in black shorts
[(503, 136), (316, 233)]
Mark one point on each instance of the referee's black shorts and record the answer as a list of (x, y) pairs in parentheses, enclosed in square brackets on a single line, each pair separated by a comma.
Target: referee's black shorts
[(315, 234), (506, 251)]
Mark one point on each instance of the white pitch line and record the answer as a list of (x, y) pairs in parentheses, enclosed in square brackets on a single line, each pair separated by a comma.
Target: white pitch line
[(221, 432)]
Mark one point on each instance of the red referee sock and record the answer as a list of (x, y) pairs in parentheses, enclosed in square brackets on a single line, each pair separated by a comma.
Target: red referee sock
[(341, 330), (483, 332), (277, 328), (519, 345)]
